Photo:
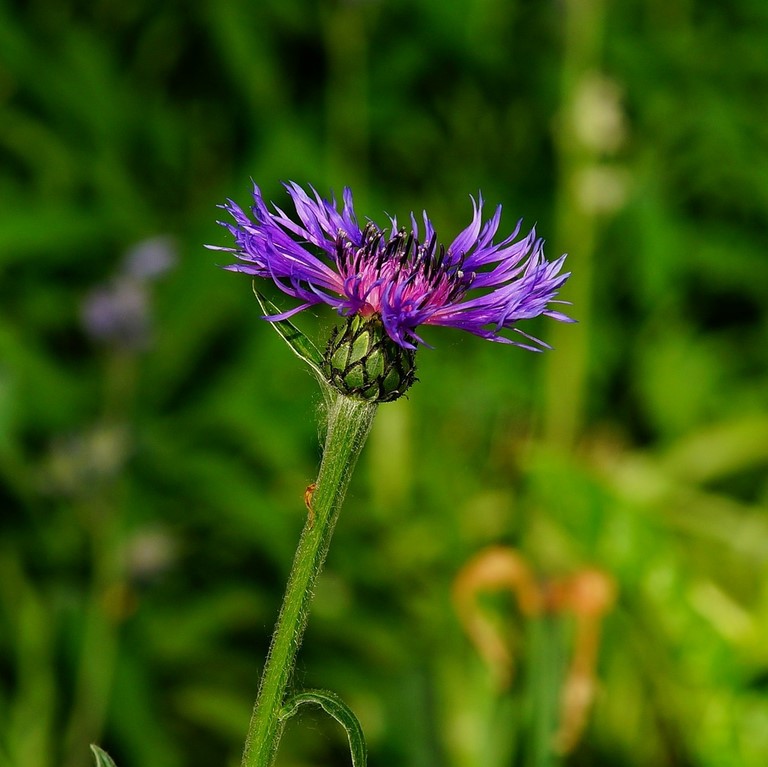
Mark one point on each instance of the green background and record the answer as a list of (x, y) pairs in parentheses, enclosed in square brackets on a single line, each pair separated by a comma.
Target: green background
[(151, 497)]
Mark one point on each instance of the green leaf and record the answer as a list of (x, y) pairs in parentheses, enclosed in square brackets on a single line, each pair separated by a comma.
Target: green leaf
[(300, 344), (103, 759), (333, 705)]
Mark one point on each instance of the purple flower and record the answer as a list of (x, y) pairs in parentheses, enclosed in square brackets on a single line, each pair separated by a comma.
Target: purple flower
[(118, 314), (151, 258), (401, 274)]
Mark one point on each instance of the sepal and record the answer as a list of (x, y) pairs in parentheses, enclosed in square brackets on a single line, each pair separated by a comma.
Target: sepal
[(299, 343), (362, 361)]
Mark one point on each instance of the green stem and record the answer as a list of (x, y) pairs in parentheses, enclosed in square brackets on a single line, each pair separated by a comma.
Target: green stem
[(100, 638), (546, 675), (583, 33), (349, 422)]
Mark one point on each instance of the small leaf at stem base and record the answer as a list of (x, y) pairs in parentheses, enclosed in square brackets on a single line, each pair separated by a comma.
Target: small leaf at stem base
[(334, 706)]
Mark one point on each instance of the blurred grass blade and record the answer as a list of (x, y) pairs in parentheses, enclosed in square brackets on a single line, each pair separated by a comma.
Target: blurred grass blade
[(301, 345), (334, 706), (103, 759)]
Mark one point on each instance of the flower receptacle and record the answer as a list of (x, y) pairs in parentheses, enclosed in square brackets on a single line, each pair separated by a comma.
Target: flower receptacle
[(362, 361)]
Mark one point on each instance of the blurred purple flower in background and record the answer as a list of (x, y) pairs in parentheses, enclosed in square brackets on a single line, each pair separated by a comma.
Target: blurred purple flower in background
[(118, 313), (150, 258), (403, 275)]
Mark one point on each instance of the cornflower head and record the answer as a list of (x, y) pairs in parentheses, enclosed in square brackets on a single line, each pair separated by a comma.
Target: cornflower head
[(389, 281)]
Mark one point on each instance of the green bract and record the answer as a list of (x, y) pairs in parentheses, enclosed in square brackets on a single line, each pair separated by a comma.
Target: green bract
[(362, 361)]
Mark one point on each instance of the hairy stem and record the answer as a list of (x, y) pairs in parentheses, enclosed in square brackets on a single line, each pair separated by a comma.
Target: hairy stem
[(349, 422)]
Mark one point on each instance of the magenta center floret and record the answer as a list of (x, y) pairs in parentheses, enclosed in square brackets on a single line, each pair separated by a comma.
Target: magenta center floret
[(392, 277)]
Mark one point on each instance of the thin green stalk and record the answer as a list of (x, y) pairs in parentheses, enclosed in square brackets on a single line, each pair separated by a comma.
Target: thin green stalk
[(101, 520), (583, 32), (546, 675), (349, 422), (100, 640)]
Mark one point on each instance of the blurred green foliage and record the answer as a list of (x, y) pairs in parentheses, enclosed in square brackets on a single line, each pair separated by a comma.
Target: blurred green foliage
[(151, 479)]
